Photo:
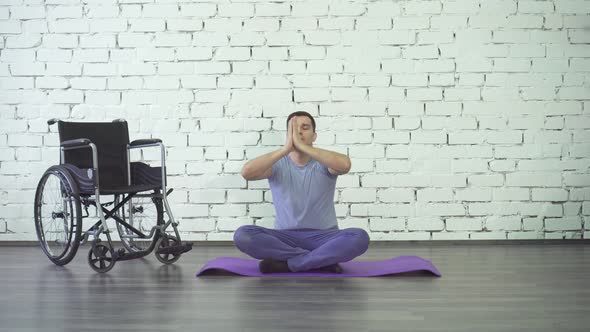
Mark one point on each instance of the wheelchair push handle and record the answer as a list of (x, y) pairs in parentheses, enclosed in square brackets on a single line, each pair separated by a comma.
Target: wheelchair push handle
[(54, 121)]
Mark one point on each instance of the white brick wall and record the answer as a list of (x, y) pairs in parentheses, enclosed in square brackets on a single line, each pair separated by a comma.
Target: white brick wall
[(463, 119)]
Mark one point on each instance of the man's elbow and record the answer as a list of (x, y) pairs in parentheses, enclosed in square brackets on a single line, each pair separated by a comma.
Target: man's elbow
[(347, 165), (246, 173)]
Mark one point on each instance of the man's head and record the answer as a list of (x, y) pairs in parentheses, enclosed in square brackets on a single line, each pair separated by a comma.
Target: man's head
[(305, 126)]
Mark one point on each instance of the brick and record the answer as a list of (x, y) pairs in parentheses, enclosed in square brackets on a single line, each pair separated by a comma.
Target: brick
[(284, 38), (207, 38), (387, 224), (337, 23), (473, 195), (227, 25), (523, 179), (358, 195), (273, 9), (426, 94), (147, 25), (299, 24), (351, 108), (309, 9), (310, 81), (301, 95), (426, 137), (408, 23), (169, 39), (198, 9), (287, 67), (389, 137), (425, 224), (440, 209), (373, 23), (194, 53), (435, 195), (184, 25), (464, 224), (386, 94), (23, 41), (510, 194), (247, 39), (566, 223), (232, 53), (324, 66), (244, 196), (503, 223), (576, 180), (235, 10), (322, 38), (228, 210), (553, 195)]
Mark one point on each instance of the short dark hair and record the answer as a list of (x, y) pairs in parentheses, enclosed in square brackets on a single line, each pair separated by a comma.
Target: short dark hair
[(301, 113)]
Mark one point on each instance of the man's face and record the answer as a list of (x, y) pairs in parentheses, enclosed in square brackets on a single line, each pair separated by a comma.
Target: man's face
[(305, 130)]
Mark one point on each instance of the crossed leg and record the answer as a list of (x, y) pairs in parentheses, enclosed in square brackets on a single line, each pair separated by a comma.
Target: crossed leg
[(302, 250)]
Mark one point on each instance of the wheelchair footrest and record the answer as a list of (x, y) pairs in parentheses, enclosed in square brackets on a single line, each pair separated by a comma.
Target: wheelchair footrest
[(123, 255), (176, 250)]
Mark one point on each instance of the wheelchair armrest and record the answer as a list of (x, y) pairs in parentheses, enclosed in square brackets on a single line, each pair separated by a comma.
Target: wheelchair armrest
[(80, 142), (139, 142)]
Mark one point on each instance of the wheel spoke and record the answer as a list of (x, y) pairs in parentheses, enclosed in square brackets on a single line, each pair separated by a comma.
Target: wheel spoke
[(56, 217)]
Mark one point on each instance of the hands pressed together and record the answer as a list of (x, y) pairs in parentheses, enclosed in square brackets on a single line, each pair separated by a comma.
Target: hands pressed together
[(294, 142)]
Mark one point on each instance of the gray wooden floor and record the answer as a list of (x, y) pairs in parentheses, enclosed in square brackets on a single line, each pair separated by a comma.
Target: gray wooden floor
[(483, 287)]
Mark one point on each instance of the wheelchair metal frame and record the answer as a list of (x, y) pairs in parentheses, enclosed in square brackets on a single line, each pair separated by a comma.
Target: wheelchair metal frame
[(112, 213), (157, 234)]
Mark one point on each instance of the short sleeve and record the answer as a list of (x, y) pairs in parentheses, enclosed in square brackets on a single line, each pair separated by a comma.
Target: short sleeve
[(276, 169), (325, 171)]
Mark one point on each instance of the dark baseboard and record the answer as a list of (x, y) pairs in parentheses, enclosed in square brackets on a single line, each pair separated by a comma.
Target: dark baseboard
[(426, 243)]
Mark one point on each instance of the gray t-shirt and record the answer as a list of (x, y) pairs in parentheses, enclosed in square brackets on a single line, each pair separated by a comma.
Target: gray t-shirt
[(303, 196)]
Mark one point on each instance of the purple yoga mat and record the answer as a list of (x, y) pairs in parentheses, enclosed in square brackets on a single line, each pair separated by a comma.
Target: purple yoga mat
[(249, 268)]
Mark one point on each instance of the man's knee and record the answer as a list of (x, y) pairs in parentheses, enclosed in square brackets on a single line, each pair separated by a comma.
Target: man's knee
[(359, 239), (243, 236)]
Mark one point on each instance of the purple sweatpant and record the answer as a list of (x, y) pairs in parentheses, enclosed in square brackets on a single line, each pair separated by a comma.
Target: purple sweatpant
[(303, 249)]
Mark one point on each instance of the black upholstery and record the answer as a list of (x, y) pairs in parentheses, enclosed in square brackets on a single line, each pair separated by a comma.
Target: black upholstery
[(111, 139), (145, 141)]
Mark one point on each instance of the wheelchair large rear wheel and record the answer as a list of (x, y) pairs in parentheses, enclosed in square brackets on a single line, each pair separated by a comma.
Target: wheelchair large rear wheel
[(58, 216), (143, 213)]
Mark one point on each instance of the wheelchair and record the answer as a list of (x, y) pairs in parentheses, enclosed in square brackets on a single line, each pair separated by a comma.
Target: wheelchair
[(95, 163)]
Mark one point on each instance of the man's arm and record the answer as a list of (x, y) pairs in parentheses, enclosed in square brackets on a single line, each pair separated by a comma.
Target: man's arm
[(261, 167), (337, 163)]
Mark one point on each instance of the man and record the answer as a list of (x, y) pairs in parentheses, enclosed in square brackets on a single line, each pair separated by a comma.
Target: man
[(302, 180)]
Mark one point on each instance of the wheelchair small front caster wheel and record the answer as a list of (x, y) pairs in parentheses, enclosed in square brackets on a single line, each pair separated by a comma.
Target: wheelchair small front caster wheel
[(165, 252), (100, 258)]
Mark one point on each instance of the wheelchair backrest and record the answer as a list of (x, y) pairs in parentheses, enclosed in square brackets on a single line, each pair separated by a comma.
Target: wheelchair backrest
[(110, 138)]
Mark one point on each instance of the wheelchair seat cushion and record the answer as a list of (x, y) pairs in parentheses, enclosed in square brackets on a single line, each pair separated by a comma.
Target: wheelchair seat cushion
[(145, 178)]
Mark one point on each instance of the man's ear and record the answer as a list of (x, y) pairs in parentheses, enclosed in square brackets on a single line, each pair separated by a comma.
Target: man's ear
[(315, 135)]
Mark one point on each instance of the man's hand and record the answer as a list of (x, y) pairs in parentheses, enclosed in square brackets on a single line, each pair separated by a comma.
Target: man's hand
[(289, 146), (337, 163), (297, 142)]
